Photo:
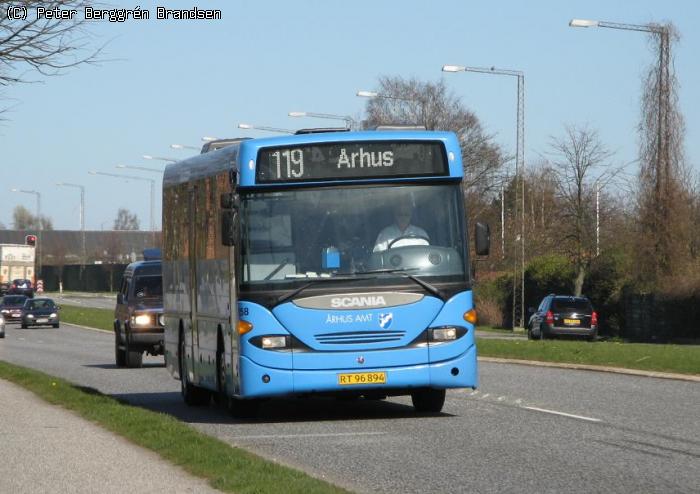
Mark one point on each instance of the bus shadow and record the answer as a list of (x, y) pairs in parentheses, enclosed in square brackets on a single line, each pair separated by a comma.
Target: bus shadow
[(146, 365), (289, 410)]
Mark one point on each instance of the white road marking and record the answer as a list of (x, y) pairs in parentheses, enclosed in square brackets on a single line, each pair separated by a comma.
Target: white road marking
[(292, 436), (554, 412)]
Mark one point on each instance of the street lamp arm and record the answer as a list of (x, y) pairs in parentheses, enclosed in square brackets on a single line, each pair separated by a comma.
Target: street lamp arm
[(645, 28), (482, 70)]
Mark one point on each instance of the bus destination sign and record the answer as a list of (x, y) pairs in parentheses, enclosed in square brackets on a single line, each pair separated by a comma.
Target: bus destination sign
[(351, 160)]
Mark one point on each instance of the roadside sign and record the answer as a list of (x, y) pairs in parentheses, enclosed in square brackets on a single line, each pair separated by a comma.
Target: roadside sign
[(40, 286)]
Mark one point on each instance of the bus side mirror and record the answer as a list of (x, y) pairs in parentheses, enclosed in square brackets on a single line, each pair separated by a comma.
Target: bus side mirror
[(229, 227), (482, 235)]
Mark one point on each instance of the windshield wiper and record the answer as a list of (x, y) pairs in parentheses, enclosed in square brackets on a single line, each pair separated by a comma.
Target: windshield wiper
[(303, 287), (424, 284)]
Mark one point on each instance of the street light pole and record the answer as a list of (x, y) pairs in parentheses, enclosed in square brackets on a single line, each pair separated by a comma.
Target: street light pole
[(160, 158), (519, 258), (39, 225), (183, 146), (82, 215), (132, 177), (349, 121), (663, 159), (264, 128)]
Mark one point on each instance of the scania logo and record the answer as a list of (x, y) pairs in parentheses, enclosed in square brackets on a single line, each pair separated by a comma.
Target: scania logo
[(367, 301)]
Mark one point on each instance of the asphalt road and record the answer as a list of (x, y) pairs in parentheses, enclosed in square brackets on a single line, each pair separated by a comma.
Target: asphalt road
[(527, 429)]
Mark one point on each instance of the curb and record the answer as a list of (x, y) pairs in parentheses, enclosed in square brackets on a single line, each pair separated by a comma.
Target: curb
[(595, 368)]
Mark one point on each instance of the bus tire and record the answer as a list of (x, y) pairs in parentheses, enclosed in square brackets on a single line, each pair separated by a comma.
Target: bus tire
[(191, 394), (119, 353), (220, 396), (428, 400)]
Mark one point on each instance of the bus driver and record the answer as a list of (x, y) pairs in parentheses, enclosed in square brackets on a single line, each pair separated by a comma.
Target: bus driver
[(401, 233)]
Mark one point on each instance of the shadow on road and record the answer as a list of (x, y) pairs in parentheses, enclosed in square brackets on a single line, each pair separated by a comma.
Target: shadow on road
[(274, 410), (149, 365)]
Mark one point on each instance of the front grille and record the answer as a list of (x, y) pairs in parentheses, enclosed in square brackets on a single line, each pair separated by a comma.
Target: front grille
[(357, 337)]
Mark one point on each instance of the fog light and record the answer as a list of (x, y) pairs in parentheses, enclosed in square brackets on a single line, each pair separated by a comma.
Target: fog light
[(444, 334), (269, 342)]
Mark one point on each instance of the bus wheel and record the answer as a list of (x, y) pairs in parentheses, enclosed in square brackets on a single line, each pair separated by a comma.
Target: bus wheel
[(191, 394), (220, 396), (119, 354), (428, 400)]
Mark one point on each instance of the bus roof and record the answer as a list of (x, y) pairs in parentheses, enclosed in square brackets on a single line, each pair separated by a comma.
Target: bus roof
[(241, 156)]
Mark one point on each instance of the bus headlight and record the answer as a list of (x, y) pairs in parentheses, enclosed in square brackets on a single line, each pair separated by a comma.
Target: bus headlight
[(273, 342), (141, 320), (447, 333)]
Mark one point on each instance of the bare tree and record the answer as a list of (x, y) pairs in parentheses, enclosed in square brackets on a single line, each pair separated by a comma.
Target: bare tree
[(47, 46), (663, 196), (23, 219), (579, 167), (432, 105), (126, 220)]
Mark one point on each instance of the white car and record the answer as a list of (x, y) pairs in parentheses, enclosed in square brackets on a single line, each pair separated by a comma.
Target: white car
[(2, 327)]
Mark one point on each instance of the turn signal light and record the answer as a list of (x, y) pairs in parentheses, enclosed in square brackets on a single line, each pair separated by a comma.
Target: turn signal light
[(244, 327), (470, 316)]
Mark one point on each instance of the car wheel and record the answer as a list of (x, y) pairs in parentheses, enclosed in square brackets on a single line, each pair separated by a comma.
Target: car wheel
[(23, 326), (134, 358), (428, 400), (119, 354), (191, 394), (593, 336), (529, 333), (57, 325)]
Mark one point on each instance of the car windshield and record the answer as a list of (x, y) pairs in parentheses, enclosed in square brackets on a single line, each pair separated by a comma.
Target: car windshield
[(13, 300), (571, 305), (38, 304), (304, 234), (22, 283), (148, 286)]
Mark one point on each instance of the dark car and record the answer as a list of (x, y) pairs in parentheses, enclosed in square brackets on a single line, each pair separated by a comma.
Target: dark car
[(138, 315), (40, 312), (563, 315), (11, 307), (21, 287)]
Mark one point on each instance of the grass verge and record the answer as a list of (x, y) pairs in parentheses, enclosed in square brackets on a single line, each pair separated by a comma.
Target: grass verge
[(226, 468), (88, 316), (651, 357)]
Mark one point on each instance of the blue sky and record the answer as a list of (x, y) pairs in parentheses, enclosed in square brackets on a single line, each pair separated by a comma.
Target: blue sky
[(175, 81)]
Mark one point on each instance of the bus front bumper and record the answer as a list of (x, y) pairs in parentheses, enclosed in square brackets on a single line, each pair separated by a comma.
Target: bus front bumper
[(258, 381)]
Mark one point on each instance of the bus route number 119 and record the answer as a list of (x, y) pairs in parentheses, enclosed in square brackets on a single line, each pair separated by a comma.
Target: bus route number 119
[(290, 161)]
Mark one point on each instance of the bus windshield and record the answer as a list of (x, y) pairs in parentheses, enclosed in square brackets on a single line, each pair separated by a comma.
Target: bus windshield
[(302, 234)]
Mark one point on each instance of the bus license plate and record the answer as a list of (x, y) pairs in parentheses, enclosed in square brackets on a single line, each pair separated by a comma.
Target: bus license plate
[(362, 378), (572, 322)]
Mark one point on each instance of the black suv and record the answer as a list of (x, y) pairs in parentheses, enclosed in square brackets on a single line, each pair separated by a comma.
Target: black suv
[(138, 315), (21, 287), (560, 315)]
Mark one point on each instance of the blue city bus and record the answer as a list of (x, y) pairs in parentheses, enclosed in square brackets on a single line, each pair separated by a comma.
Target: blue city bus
[(322, 263)]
